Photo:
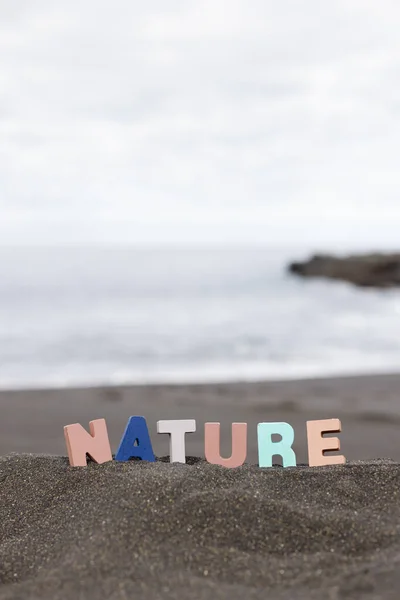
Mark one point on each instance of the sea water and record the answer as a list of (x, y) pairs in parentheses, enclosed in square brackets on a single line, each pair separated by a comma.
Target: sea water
[(73, 316)]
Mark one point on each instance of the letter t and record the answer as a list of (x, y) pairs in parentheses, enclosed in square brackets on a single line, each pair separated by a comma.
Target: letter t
[(177, 430)]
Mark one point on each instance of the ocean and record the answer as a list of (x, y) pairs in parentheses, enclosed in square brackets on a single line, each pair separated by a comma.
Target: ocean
[(94, 316)]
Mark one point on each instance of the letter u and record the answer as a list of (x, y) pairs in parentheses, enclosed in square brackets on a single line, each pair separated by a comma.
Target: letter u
[(212, 446)]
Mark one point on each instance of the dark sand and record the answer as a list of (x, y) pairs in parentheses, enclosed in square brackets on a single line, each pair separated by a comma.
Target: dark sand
[(140, 530)]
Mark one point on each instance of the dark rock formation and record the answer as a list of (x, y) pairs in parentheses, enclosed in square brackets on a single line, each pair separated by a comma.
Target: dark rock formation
[(368, 270)]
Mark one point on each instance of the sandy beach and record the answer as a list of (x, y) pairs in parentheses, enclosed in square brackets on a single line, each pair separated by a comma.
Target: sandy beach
[(120, 530), (199, 221), (368, 406)]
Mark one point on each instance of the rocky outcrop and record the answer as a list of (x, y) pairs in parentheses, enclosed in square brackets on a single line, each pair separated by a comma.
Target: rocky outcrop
[(368, 270)]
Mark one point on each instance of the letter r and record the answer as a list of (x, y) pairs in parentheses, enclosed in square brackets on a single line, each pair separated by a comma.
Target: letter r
[(267, 448)]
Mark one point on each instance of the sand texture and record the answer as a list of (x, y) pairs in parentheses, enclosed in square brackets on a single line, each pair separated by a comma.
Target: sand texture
[(141, 530)]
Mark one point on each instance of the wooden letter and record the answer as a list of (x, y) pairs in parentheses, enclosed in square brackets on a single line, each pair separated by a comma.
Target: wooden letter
[(177, 430), (80, 442), (317, 444), (267, 449), (212, 445), (135, 442)]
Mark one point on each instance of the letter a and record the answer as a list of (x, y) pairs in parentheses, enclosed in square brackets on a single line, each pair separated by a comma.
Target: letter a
[(135, 442), (80, 442)]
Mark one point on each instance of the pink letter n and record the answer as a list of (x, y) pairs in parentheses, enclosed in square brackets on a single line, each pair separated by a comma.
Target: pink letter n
[(80, 442)]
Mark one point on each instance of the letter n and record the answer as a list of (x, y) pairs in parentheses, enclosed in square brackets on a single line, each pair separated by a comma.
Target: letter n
[(80, 443)]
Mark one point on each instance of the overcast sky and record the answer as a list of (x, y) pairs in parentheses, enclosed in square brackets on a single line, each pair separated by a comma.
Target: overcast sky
[(200, 120)]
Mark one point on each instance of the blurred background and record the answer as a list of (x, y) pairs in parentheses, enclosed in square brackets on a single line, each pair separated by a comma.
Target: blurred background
[(160, 166)]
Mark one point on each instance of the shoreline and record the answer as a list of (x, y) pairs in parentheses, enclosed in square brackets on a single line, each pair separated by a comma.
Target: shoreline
[(192, 380), (368, 405)]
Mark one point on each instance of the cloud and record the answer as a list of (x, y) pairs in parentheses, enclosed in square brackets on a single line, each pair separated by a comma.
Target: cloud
[(208, 121)]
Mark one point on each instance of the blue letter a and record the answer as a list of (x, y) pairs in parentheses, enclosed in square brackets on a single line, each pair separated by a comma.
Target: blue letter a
[(135, 442)]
